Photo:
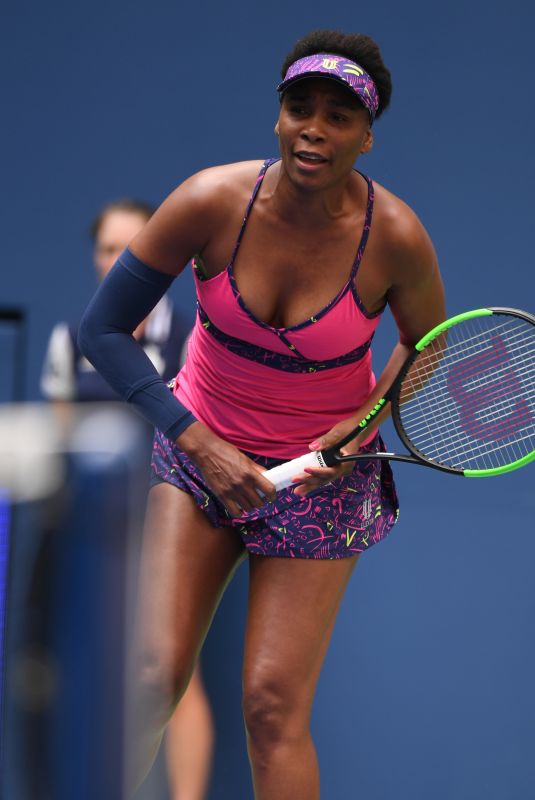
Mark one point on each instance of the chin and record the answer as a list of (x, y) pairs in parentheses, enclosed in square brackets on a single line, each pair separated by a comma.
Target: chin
[(307, 179)]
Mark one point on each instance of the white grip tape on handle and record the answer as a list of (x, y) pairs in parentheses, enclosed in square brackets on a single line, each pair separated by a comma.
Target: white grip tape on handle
[(282, 475)]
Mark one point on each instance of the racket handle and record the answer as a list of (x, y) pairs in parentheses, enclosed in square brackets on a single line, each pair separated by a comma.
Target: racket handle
[(282, 475)]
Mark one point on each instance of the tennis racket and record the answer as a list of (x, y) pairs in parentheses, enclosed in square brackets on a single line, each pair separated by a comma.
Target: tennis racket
[(463, 401)]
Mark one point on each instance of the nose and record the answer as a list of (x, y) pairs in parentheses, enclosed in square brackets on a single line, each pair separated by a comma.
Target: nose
[(313, 129)]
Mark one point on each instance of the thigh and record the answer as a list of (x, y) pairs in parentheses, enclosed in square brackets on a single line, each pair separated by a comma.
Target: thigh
[(292, 609), (185, 565)]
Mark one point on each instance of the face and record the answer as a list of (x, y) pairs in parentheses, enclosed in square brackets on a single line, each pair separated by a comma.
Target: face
[(322, 130), (117, 229)]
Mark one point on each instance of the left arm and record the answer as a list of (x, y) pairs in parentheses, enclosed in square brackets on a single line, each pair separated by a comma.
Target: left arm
[(415, 294)]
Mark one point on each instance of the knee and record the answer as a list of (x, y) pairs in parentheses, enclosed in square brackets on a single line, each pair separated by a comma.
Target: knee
[(271, 713), (159, 685)]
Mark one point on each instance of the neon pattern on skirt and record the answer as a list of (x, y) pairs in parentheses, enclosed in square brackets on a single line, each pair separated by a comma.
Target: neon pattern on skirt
[(339, 520)]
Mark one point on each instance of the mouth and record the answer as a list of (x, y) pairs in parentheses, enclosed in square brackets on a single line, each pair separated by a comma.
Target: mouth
[(310, 159)]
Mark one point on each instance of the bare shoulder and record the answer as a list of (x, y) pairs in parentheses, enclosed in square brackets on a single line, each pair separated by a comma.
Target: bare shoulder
[(193, 214), (409, 263), (214, 184), (405, 243)]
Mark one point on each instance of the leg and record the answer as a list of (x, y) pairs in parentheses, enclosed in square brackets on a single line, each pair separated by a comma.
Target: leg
[(186, 564), (292, 609), (189, 743)]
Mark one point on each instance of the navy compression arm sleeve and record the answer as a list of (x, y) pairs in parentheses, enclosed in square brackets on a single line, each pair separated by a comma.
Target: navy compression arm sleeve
[(123, 300)]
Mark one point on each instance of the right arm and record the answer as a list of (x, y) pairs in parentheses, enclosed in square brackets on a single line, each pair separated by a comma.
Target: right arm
[(183, 226)]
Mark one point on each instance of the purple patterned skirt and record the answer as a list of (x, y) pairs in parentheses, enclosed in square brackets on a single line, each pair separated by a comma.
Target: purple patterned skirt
[(338, 520)]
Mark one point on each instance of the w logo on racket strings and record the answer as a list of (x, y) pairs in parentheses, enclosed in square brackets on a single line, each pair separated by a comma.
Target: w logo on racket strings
[(490, 405)]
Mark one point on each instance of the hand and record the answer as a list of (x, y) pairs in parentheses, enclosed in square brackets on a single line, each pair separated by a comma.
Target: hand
[(233, 478), (313, 477)]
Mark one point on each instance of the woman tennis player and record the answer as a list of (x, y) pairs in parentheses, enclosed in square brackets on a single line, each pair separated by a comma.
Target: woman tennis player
[(294, 260)]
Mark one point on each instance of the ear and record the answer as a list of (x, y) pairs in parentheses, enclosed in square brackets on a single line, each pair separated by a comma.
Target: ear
[(367, 144), (277, 128)]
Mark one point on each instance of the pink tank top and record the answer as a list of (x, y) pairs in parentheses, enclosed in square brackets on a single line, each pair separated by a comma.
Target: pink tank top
[(272, 391)]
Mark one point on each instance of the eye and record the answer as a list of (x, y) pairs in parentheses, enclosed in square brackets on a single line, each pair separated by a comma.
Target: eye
[(298, 110), (337, 117)]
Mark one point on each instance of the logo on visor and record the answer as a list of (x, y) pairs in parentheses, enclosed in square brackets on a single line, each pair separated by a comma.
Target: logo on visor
[(329, 63), (353, 69)]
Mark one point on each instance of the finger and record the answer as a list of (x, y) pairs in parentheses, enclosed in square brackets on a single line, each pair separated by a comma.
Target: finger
[(247, 498), (304, 488), (322, 473), (256, 494), (264, 489), (251, 499), (313, 478), (308, 485), (235, 510), (240, 503), (237, 506)]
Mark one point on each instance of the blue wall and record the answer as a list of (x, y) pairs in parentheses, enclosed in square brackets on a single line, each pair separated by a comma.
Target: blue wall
[(427, 691)]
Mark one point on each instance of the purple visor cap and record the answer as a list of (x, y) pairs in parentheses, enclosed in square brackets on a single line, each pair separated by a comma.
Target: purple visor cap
[(327, 65)]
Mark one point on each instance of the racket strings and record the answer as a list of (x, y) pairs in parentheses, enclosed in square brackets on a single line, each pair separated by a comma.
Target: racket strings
[(498, 375), (454, 446), (494, 393), (468, 400), (464, 348), (484, 437)]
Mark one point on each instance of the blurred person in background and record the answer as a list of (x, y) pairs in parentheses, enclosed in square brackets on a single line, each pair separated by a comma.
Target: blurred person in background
[(68, 376)]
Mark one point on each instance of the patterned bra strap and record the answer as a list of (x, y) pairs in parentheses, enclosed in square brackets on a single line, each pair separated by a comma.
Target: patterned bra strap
[(366, 229), (265, 166)]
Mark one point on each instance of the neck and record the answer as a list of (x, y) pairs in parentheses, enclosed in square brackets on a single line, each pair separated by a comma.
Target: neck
[(309, 207)]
